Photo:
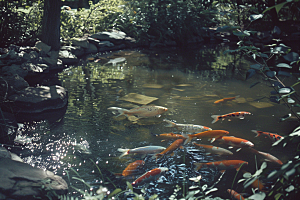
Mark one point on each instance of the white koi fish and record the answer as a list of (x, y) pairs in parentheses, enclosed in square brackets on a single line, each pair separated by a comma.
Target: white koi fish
[(214, 150), (240, 115), (140, 112), (268, 157), (191, 128), (141, 150)]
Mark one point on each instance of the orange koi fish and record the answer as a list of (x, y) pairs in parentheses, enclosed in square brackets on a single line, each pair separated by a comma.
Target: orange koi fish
[(170, 149), (214, 150), (226, 99), (212, 135), (240, 115), (268, 157), (235, 194), (223, 165), (141, 112), (273, 136), (236, 142), (141, 150), (192, 128), (132, 167), (171, 136), (150, 174)]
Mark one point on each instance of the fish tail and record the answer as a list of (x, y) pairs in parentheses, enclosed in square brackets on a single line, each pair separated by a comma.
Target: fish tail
[(115, 110), (198, 166), (170, 123), (189, 138), (124, 151), (215, 117), (257, 133), (156, 156)]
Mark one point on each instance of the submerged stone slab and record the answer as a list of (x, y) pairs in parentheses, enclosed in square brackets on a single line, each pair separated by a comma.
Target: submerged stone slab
[(38, 99), (138, 98)]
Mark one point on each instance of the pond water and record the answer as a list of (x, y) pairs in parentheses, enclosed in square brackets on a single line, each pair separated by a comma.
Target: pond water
[(187, 82)]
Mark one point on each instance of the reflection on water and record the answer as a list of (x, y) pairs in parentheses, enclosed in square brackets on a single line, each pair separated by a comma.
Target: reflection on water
[(187, 83)]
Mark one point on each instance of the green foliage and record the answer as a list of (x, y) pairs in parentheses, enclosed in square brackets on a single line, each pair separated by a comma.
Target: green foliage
[(165, 20), (99, 17), (19, 25)]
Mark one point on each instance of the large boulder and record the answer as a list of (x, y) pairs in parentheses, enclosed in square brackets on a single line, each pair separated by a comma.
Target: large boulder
[(38, 99), (22, 181), (116, 37)]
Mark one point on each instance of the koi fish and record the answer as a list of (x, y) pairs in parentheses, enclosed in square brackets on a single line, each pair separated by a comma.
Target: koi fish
[(235, 194), (268, 157), (132, 167), (240, 115), (223, 165), (170, 149), (226, 99), (150, 174), (141, 112), (212, 135), (171, 136), (273, 136), (187, 127), (256, 183), (214, 150), (141, 150), (236, 142)]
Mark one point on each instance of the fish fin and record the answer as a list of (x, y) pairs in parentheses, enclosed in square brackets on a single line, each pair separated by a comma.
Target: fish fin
[(172, 154), (124, 151), (170, 123), (212, 140), (222, 171), (162, 140), (185, 135), (181, 147), (215, 117), (119, 110), (190, 137), (198, 166), (118, 175), (257, 133), (238, 149)]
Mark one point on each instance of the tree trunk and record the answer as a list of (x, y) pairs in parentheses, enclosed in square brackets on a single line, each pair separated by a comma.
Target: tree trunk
[(51, 24)]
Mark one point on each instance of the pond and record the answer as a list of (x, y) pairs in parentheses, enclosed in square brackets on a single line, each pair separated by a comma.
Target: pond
[(187, 82)]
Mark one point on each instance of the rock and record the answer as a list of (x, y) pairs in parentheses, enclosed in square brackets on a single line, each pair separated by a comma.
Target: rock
[(82, 42), (37, 99), (49, 61), (4, 153), (105, 44), (116, 37), (77, 50), (67, 57), (22, 181), (10, 55), (25, 56), (15, 69), (8, 125), (91, 49), (42, 47), (13, 84)]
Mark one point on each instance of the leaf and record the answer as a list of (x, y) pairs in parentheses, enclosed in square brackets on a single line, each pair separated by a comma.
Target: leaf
[(277, 196), (292, 56), (129, 185), (284, 65), (212, 190), (258, 196), (275, 99), (256, 66), (254, 84), (285, 90), (271, 74), (247, 175), (277, 7), (255, 17), (116, 191), (250, 73), (241, 34), (227, 28), (283, 73)]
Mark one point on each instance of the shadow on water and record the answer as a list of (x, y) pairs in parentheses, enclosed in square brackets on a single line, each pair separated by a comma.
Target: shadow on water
[(187, 83)]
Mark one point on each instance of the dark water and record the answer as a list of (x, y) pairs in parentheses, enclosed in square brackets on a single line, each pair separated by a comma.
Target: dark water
[(187, 83)]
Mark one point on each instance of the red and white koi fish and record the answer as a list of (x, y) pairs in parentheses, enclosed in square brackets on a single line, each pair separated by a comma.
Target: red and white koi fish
[(150, 174), (141, 112), (236, 142), (141, 150), (235, 194), (132, 167), (212, 135), (226, 99), (273, 136), (223, 165), (240, 115), (171, 136), (170, 149), (214, 150), (192, 128), (268, 157)]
